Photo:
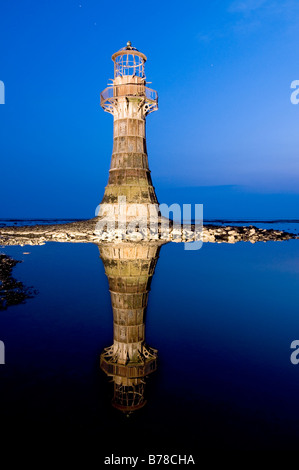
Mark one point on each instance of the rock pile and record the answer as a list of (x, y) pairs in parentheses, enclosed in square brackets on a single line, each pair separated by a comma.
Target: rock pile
[(86, 232)]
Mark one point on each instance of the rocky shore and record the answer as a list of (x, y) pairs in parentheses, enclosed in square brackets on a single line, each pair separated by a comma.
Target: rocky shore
[(86, 232)]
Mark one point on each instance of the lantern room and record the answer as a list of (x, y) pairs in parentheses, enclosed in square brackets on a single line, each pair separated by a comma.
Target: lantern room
[(129, 82), (129, 61)]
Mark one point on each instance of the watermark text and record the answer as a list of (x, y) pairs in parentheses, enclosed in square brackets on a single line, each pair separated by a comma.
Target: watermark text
[(295, 94), (295, 354), (147, 222), (2, 353), (2, 92)]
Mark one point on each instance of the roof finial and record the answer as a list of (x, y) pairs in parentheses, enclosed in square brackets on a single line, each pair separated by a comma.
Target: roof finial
[(129, 44)]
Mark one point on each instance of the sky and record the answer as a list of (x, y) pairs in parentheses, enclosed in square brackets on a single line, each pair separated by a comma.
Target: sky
[(226, 133)]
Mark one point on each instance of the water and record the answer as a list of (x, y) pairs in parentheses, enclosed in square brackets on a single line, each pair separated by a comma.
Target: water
[(222, 319)]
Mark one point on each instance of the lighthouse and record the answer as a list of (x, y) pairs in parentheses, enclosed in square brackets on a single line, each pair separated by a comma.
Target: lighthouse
[(129, 100)]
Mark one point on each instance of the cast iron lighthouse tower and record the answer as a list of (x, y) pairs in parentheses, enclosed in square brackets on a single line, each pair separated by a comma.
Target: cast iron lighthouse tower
[(129, 100)]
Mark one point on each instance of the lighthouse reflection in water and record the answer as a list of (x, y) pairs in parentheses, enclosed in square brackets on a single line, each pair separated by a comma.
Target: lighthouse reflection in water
[(129, 360)]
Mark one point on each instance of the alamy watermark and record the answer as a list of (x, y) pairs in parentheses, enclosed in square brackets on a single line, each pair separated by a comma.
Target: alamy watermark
[(2, 92), (294, 358), (2, 353), (148, 222), (295, 94)]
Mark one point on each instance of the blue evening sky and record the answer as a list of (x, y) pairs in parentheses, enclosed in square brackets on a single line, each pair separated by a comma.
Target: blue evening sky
[(226, 133)]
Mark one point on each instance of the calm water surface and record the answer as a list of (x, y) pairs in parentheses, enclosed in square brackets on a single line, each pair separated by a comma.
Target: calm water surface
[(222, 319)]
